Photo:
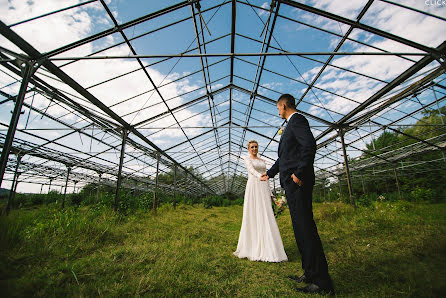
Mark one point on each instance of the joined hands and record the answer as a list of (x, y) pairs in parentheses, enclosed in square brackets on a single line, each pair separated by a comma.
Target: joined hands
[(264, 177), (296, 180)]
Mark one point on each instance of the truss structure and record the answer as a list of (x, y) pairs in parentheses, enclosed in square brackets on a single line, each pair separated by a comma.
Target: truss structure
[(183, 85)]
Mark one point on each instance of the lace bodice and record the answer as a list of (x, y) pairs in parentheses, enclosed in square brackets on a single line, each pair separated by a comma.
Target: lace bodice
[(255, 167)]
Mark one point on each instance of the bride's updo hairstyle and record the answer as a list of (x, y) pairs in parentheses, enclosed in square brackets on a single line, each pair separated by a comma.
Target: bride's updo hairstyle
[(250, 142)]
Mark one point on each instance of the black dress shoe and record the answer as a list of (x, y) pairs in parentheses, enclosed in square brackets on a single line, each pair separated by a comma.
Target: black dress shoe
[(315, 289), (299, 279)]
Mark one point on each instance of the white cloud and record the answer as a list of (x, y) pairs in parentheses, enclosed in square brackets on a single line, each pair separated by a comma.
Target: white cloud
[(273, 85), (389, 18), (408, 24), (262, 12), (54, 31), (347, 9), (49, 32)]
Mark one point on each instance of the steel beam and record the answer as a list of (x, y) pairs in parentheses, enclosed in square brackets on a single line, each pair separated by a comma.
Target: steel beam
[(386, 89), (397, 183), (120, 27), (175, 187), (347, 170), (344, 38), (33, 53), (27, 73), (66, 186), (261, 54), (206, 74), (121, 161), (155, 193), (14, 184), (53, 12), (357, 24), (99, 185), (147, 74)]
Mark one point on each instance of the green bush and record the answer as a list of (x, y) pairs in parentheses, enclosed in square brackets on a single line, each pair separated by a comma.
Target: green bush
[(53, 196), (145, 201), (422, 194), (366, 199), (207, 202), (393, 196), (76, 199), (238, 201), (220, 201)]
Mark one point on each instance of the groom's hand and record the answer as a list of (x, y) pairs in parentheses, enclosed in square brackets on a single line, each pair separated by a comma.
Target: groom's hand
[(296, 180), (264, 177)]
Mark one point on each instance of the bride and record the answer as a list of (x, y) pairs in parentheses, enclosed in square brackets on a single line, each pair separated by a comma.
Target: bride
[(259, 238)]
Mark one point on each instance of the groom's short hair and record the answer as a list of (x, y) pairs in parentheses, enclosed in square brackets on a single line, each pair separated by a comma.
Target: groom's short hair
[(289, 100)]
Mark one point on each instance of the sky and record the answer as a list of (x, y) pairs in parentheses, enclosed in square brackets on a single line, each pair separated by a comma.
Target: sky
[(121, 85)]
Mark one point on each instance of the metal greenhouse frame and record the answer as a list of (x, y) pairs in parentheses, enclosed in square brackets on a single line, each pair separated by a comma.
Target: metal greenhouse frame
[(65, 131)]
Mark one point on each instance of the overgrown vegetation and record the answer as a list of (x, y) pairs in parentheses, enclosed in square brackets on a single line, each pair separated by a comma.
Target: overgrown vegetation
[(421, 177), (393, 244), (129, 200), (387, 249)]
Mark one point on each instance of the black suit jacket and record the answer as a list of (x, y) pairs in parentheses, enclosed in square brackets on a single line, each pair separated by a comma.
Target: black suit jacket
[(297, 148)]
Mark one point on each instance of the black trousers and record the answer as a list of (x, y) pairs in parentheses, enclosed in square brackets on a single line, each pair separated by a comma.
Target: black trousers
[(314, 263)]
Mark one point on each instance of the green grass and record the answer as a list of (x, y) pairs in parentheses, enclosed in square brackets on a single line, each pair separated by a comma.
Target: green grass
[(388, 249)]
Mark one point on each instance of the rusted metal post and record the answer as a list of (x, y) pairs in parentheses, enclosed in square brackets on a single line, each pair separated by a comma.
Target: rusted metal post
[(363, 186), (66, 186), (347, 170), (74, 186), (397, 184), (27, 73), (49, 186), (323, 188), (121, 161), (97, 190), (14, 184), (175, 187), (155, 193)]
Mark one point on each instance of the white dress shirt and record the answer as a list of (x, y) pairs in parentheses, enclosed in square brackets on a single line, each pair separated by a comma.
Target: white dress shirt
[(289, 117)]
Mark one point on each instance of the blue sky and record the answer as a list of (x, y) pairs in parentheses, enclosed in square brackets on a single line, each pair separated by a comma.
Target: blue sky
[(121, 85)]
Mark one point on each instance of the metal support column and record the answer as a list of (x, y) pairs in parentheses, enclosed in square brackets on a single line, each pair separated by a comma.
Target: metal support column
[(121, 161), (175, 187), (97, 190), (441, 117), (49, 186), (397, 184), (340, 187), (155, 193), (323, 188), (66, 186), (347, 170), (14, 184), (363, 186), (27, 72), (135, 190)]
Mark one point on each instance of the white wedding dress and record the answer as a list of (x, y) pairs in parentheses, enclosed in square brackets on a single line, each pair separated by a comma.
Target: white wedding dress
[(259, 238)]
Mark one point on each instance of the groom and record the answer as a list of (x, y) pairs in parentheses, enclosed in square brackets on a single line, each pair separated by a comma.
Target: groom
[(297, 149)]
